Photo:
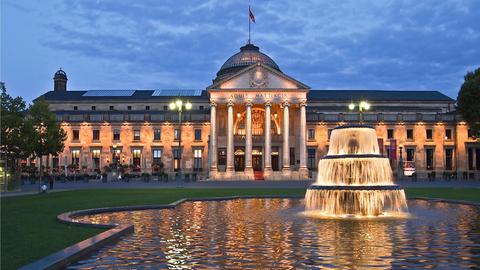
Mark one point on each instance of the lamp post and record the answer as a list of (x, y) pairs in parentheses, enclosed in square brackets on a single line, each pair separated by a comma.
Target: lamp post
[(179, 106), (400, 163), (362, 106)]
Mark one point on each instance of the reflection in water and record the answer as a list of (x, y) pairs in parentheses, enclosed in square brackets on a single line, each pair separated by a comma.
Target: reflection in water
[(272, 234)]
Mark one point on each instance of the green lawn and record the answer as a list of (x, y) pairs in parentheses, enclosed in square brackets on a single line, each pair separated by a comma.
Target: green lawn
[(29, 229)]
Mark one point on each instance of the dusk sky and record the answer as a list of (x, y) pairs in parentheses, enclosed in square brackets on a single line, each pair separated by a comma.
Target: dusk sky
[(358, 44)]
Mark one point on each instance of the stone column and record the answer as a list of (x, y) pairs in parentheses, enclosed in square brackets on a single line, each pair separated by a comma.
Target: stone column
[(230, 168), (303, 170), (286, 145), (248, 140), (268, 140), (213, 139)]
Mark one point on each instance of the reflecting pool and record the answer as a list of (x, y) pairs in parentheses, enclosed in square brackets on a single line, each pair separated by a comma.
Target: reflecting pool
[(274, 234)]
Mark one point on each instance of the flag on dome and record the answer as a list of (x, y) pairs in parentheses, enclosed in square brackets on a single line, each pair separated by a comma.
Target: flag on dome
[(252, 18)]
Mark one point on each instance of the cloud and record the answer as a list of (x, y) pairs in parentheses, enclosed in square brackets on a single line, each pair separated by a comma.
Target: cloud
[(351, 44)]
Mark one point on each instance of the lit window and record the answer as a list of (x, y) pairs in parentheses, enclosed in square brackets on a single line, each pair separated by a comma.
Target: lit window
[(136, 155), (157, 155), (176, 134), (410, 154), (96, 158), (197, 161), (76, 157)]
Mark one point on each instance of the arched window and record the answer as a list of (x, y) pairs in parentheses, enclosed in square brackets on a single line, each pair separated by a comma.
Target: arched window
[(258, 123)]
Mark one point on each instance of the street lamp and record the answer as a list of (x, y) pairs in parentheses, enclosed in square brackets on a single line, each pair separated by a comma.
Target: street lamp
[(179, 106), (362, 106), (400, 163)]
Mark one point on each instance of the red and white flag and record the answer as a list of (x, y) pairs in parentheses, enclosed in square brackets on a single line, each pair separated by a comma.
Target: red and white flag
[(250, 13)]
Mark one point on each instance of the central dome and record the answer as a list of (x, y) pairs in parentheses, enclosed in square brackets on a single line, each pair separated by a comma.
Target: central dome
[(248, 55)]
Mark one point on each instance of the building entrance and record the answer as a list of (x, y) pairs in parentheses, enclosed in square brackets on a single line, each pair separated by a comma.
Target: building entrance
[(257, 157)]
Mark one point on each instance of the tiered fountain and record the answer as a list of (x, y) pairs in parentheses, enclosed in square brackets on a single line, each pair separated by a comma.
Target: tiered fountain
[(354, 179)]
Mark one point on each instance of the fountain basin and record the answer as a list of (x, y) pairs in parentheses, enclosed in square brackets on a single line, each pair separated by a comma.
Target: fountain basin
[(342, 187)]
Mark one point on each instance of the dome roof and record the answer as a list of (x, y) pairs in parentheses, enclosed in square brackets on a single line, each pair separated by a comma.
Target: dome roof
[(60, 74), (248, 55)]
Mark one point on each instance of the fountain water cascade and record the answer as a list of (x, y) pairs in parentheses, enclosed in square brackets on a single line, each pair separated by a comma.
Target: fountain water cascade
[(354, 179)]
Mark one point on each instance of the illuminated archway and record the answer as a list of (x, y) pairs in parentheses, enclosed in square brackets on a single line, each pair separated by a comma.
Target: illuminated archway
[(258, 123)]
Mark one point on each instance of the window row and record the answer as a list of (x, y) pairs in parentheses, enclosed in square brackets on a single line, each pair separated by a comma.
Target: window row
[(129, 108), (157, 134), (390, 134), (137, 158)]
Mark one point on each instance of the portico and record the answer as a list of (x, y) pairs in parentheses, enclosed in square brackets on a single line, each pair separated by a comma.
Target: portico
[(258, 126)]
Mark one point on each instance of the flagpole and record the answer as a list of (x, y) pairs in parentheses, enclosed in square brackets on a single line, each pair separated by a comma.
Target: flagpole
[(249, 22)]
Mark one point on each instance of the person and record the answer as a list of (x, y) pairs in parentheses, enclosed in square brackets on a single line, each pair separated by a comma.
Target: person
[(43, 188), (50, 181)]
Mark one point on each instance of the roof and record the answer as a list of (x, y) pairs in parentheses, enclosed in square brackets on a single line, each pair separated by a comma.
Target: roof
[(125, 95), (248, 55), (377, 95), (202, 95)]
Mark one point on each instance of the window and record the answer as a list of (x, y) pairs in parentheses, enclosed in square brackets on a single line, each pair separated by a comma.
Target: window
[(429, 134), (470, 154), (177, 153), (329, 133), (157, 156), (147, 108), (76, 135), (75, 108), (76, 157), (292, 156), (200, 108), (409, 134), (116, 134), (311, 134), (176, 134), (410, 154), (96, 158), (136, 135), (116, 156), (111, 108), (165, 108), (129, 108), (94, 108), (157, 134), (429, 158), (96, 135), (197, 159), (198, 134), (469, 133), (136, 154), (55, 163), (389, 133), (311, 161), (222, 156), (448, 134), (448, 159)]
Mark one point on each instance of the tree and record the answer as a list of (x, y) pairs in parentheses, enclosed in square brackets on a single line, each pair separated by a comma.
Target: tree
[(49, 136), (17, 132), (468, 101)]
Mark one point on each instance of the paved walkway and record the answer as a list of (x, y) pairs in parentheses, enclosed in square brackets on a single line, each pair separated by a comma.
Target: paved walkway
[(29, 189)]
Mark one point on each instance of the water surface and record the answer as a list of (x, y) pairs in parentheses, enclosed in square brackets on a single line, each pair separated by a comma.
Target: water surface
[(271, 234)]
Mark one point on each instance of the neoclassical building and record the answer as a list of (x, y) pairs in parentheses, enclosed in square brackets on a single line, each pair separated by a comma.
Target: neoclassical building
[(254, 122)]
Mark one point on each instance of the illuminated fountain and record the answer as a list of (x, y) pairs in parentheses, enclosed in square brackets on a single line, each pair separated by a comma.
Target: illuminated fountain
[(354, 179)]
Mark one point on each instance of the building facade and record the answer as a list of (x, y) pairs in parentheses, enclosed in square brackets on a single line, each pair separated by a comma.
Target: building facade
[(254, 122)]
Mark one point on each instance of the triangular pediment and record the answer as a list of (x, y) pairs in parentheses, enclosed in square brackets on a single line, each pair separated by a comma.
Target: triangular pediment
[(258, 76)]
